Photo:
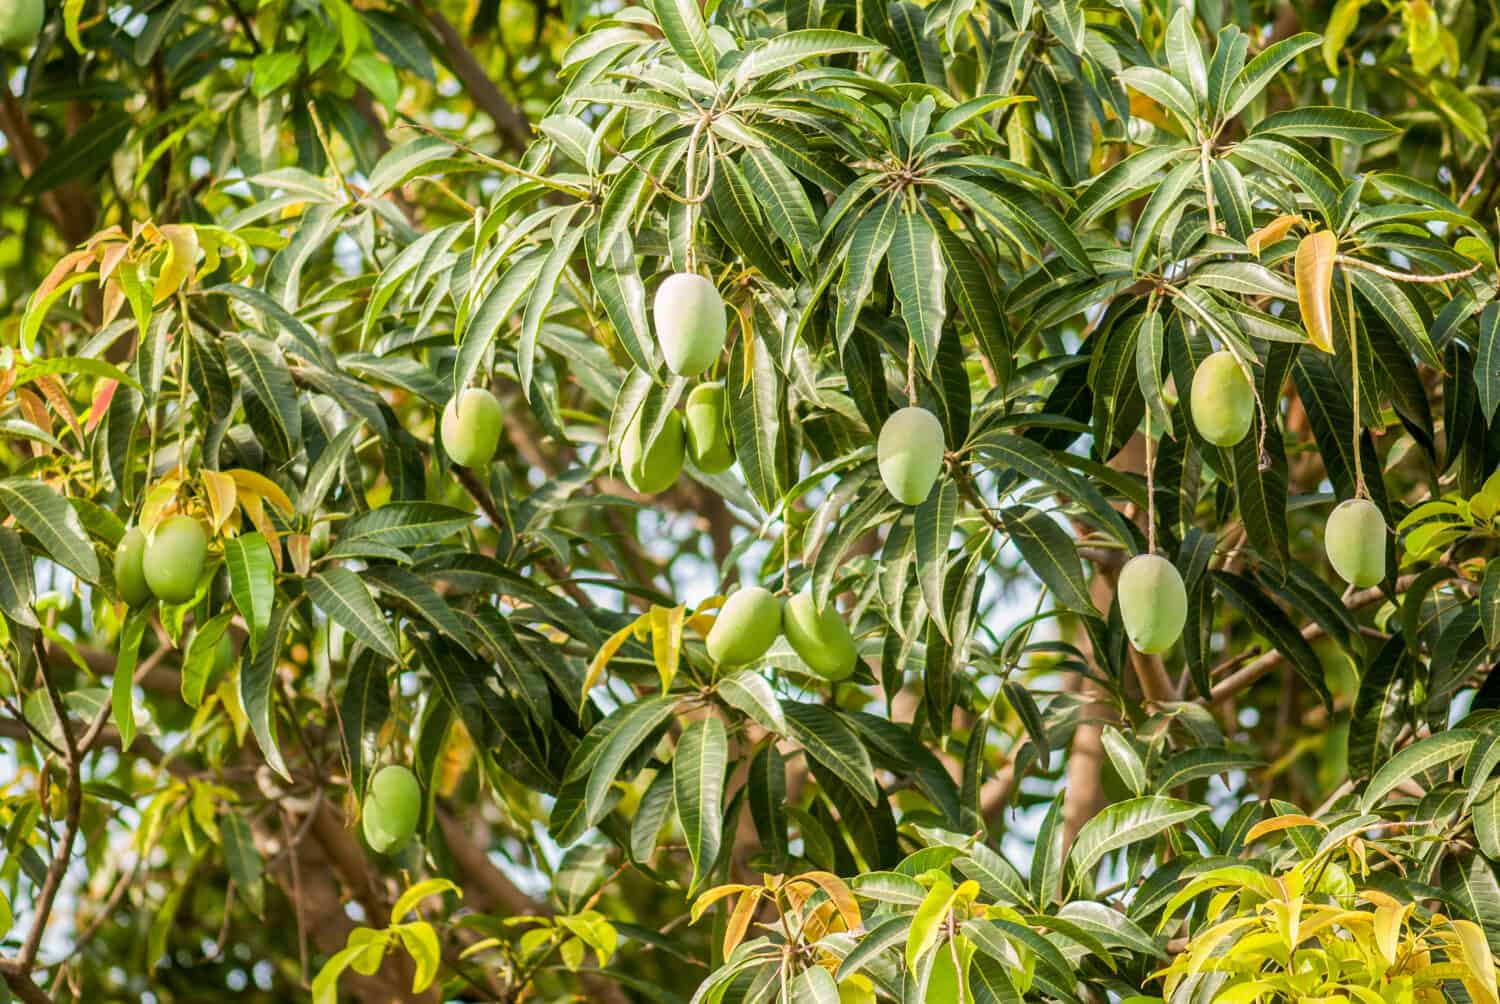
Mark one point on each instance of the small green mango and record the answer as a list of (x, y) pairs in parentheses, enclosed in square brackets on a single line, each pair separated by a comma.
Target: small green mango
[(707, 431), (1222, 402), (652, 468), (471, 427), (822, 639), (1355, 541), (746, 626), (130, 576), (20, 22), (690, 322), (391, 809), (1153, 603), (910, 454), (174, 558)]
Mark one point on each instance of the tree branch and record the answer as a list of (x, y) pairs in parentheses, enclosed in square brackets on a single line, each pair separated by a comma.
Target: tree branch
[(509, 120)]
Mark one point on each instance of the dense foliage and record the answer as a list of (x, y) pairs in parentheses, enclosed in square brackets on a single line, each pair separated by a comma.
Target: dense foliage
[(295, 703)]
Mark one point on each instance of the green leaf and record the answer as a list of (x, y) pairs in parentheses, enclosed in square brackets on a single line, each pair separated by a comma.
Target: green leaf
[(363, 711), (252, 581), (495, 309), (1271, 621), (343, 596), (682, 23), (1325, 121), (83, 154), (270, 382), (48, 517), (784, 202), (1126, 760), (1487, 360), (1264, 68), (830, 741), (918, 273), (258, 688), (123, 689), (934, 527), (1415, 760), (698, 770), (17, 585), (631, 726), (1052, 554), (1126, 823), (792, 47), (198, 661)]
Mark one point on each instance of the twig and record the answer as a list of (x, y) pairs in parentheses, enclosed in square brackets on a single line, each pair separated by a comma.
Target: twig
[(1396, 276)]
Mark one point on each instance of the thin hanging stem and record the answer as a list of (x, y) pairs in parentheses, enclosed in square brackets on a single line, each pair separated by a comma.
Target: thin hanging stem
[(1208, 191), (911, 372), (1150, 487), (1359, 466), (691, 195)]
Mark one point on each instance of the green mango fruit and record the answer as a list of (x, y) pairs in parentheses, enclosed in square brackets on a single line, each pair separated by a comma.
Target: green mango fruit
[(1153, 603), (746, 626), (391, 809), (1222, 402), (471, 427), (910, 453), (690, 322), (820, 638), (130, 576), (174, 559), (651, 468), (707, 431), (20, 22), (1355, 541)]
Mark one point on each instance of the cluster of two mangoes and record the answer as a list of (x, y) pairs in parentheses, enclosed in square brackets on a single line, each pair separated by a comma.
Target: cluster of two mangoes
[(752, 617), (1153, 600)]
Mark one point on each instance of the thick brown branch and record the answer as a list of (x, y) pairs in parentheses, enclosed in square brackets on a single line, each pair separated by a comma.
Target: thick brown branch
[(508, 119)]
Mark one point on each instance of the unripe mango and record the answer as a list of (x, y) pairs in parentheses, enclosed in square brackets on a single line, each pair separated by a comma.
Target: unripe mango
[(392, 807), (1223, 403), (707, 433), (910, 454), (174, 558), (746, 626), (822, 639), (471, 427), (20, 21), (130, 577), (1355, 541), (652, 467), (690, 322), (1153, 603)]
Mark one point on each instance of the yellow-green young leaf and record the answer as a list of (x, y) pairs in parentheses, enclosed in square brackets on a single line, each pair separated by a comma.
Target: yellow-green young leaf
[(422, 890), (739, 920), (421, 943), (927, 923), (1340, 24), (1475, 950), (1271, 233), (1315, 256), (712, 896), (607, 652), (837, 891), (1278, 823), (666, 641)]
